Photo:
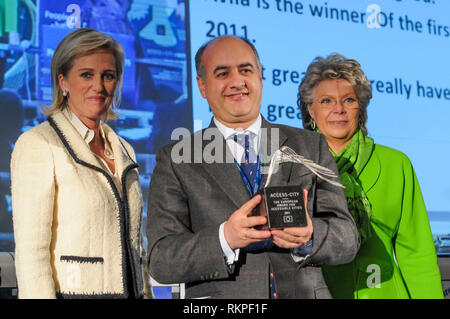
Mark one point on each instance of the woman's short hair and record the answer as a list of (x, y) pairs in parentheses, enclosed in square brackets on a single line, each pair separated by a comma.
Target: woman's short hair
[(335, 66), (82, 42)]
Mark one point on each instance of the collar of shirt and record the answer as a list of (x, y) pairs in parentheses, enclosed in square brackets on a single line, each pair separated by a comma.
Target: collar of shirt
[(236, 149), (86, 133)]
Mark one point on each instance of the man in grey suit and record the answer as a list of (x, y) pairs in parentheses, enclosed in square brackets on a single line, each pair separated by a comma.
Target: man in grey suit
[(200, 226)]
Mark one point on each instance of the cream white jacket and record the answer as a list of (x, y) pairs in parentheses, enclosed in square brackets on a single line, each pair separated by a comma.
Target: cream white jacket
[(72, 225)]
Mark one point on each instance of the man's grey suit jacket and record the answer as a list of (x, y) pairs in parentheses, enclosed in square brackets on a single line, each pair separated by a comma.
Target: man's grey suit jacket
[(189, 201)]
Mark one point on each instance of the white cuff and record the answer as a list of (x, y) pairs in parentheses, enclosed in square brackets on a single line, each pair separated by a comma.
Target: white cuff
[(230, 254)]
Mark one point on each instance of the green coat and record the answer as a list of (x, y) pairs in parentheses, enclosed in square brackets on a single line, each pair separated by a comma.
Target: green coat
[(400, 226)]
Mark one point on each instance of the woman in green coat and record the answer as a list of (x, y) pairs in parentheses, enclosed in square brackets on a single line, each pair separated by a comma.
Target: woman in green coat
[(397, 258)]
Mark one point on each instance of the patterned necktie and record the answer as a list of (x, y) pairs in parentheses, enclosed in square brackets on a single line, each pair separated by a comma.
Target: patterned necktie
[(249, 158), (249, 165)]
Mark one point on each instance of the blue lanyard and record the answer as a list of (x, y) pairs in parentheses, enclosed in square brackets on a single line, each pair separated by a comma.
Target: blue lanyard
[(252, 190)]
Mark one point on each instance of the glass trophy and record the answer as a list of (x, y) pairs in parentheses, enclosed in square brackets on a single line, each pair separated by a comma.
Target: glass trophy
[(284, 205)]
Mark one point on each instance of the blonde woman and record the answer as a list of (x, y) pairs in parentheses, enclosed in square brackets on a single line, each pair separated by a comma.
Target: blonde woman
[(77, 202)]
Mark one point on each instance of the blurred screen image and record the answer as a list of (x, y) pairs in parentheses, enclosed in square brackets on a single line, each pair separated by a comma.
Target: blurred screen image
[(154, 94)]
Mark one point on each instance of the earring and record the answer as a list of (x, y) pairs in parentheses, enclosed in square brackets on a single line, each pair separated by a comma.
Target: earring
[(312, 124), (64, 93)]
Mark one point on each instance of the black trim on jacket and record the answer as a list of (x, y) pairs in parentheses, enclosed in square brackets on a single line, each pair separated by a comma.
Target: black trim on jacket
[(80, 259), (123, 220)]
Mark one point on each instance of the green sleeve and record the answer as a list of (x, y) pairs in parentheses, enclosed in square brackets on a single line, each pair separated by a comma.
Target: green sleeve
[(414, 247)]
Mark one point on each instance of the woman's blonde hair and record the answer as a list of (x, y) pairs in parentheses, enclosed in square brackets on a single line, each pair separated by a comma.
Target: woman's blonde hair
[(335, 66), (82, 42)]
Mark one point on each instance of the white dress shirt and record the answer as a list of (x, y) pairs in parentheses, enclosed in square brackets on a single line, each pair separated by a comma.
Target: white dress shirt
[(237, 151)]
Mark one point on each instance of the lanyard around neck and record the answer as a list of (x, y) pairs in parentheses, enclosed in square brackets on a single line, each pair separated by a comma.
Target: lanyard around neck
[(258, 179)]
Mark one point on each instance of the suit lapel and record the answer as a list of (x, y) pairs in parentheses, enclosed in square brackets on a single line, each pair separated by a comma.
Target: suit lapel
[(224, 171), (272, 133), (73, 140), (227, 175), (81, 151)]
